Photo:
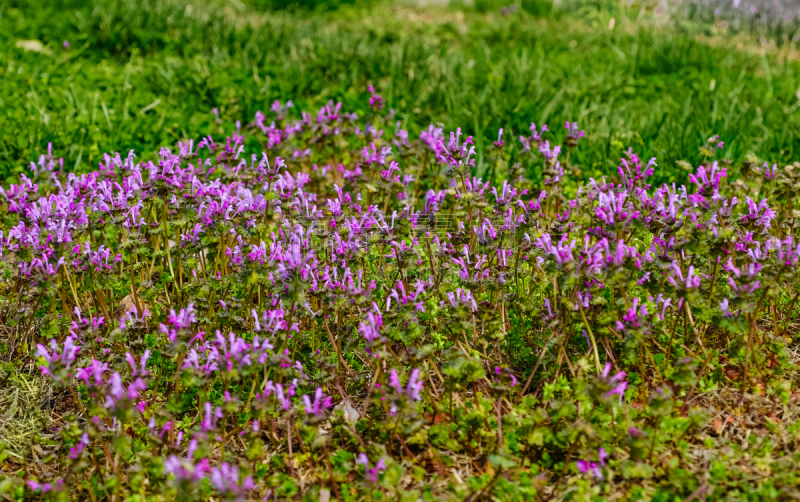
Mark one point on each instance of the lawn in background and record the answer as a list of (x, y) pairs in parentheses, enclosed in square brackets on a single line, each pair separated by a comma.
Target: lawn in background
[(142, 75)]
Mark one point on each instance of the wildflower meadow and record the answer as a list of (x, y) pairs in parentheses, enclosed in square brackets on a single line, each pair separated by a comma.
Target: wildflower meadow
[(330, 303)]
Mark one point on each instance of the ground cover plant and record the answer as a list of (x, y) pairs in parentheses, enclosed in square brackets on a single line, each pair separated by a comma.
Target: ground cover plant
[(321, 306), (140, 75), (338, 299)]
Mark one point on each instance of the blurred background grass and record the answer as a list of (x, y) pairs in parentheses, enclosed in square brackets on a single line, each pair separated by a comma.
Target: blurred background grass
[(655, 76)]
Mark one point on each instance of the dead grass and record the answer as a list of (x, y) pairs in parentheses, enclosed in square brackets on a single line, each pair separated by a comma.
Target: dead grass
[(26, 403)]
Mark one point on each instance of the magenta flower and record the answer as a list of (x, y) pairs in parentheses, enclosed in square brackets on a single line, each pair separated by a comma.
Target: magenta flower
[(499, 143), (320, 404), (210, 418), (370, 328), (550, 155), (376, 101), (119, 396), (75, 451), (225, 479), (589, 467), (532, 141), (602, 456), (58, 364), (371, 474), (410, 394), (573, 134), (185, 470), (708, 180), (618, 381), (140, 369), (92, 375), (46, 487)]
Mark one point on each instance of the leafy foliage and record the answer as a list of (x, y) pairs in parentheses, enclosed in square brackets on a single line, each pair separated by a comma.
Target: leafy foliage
[(343, 300), (324, 305)]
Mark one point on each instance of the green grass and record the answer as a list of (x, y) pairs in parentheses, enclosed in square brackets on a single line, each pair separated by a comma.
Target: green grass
[(139, 75)]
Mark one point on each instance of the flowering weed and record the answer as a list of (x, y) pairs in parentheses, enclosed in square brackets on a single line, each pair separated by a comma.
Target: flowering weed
[(322, 303)]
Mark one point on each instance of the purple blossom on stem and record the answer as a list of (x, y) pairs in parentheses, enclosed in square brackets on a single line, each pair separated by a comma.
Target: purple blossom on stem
[(769, 173), (75, 451), (708, 180), (499, 143), (573, 134), (550, 155), (118, 396), (532, 141), (46, 487), (677, 279), (371, 474), (210, 418), (321, 403), (618, 381), (370, 328), (141, 369), (58, 364), (185, 470), (376, 101), (411, 393), (585, 466), (226, 480), (723, 307)]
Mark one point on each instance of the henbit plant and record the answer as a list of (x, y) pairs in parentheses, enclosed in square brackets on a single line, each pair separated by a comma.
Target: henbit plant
[(320, 305)]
